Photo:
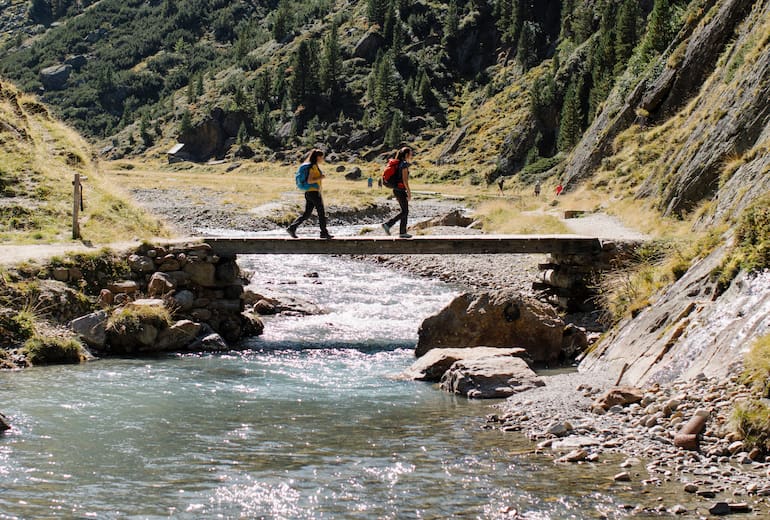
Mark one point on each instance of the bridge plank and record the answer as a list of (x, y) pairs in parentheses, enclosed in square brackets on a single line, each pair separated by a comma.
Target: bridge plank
[(420, 245)]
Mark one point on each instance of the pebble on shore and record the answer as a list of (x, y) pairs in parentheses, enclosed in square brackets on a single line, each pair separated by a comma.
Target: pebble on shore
[(556, 415)]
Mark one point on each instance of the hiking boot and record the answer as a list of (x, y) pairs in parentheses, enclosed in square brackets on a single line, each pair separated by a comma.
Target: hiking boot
[(404, 235), (386, 228), (325, 235), (292, 231)]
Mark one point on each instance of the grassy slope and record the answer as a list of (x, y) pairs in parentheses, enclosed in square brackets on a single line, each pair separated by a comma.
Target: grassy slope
[(39, 157)]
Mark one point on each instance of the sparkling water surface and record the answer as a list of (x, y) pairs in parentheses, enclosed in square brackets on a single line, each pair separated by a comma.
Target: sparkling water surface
[(309, 422)]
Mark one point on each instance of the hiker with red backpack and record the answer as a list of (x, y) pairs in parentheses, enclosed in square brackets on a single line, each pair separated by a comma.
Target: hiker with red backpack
[(308, 179), (396, 176)]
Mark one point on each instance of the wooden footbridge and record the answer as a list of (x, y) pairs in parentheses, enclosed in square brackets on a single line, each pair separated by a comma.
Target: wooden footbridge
[(420, 245)]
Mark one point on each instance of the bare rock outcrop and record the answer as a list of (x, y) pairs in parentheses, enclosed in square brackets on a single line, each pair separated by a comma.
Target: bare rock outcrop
[(501, 318), (690, 329)]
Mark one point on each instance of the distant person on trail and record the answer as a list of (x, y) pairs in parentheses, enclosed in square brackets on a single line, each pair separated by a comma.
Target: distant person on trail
[(309, 178), (537, 189), (396, 176), (370, 181), (500, 184), (559, 189)]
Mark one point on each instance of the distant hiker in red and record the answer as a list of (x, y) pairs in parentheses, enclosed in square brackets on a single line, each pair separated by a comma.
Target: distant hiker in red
[(309, 178), (396, 176), (559, 189)]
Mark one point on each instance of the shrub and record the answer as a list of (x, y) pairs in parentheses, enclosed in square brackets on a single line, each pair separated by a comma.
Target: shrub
[(131, 318), (752, 421), (751, 251), (757, 366), (42, 350)]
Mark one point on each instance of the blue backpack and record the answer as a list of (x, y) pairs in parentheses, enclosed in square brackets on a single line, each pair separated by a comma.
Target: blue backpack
[(301, 177)]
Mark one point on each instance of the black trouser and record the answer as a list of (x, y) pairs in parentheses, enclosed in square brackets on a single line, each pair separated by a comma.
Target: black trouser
[(404, 203), (312, 200)]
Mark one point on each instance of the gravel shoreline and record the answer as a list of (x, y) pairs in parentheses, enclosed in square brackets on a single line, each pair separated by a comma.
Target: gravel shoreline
[(722, 477)]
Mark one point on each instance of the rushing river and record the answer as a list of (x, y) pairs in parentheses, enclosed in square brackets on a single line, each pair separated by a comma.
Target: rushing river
[(307, 423)]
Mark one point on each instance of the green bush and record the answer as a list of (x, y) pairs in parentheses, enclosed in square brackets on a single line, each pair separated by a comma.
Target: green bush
[(41, 350), (752, 421)]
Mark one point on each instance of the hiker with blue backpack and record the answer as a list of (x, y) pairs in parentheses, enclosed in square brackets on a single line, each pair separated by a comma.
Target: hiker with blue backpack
[(396, 176), (309, 178)]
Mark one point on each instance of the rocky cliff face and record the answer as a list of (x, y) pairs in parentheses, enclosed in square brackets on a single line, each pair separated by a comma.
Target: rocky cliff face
[(690, 329), (707, 97), (698, 128)]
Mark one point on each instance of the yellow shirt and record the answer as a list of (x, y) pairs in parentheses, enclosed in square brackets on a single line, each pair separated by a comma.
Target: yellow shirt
[(315, 177)]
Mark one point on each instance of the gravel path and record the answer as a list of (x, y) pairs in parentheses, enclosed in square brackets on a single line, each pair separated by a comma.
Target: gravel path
[(603, 226)]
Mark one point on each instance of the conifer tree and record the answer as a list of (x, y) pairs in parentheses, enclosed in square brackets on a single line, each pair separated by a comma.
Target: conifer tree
[(199, 85), (331, 63), (264, 124), (191, 90), (657, 37), (376, 11), (243, 134), (571, 119), (625, 41), (527, 48), (282, 20), (304, 80), (451, 22), (185, 125), (385, 91), (395, 130), (144, 130)]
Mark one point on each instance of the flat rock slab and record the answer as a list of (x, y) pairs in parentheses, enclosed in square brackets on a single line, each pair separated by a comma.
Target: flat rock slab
[(436, 362), (490, 377)]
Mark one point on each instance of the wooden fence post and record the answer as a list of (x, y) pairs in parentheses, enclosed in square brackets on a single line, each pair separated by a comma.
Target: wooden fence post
[(76, 207)]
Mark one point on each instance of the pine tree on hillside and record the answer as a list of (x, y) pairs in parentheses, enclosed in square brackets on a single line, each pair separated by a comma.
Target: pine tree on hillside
[(304, 80), (602, 60), (658, 27), (451, 23), (185, 125), (331, 63), (626, 28), (527, 47), (376, 11), (571, 119), (282, 20), (395, 131), (384, 87), (243, 134), (582, 21)]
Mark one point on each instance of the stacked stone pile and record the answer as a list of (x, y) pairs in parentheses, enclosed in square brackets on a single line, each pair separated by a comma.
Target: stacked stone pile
[(200, 290)]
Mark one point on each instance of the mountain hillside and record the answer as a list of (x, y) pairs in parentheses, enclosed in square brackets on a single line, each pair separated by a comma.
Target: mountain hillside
[(39, 157)]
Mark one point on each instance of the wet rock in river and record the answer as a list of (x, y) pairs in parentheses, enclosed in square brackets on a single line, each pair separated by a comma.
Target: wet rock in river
[(501, 318), (488, 378), (433, 365), (4, 423)]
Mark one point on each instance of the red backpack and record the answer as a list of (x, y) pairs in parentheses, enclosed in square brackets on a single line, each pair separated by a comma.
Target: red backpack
[(391, 177)]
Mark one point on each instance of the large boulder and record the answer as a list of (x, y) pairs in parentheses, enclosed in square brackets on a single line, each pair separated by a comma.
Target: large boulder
[(433, 365), (490, 377), (368, 45), (92, 328), (454, 218), (501, 318), (55, 77)]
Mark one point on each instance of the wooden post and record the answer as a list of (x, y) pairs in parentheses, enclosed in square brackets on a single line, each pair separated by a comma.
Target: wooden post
[(76, 207)]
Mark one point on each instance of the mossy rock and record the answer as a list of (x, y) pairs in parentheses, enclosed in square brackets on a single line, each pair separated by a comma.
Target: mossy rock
[(52, 351), (15, 327)]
